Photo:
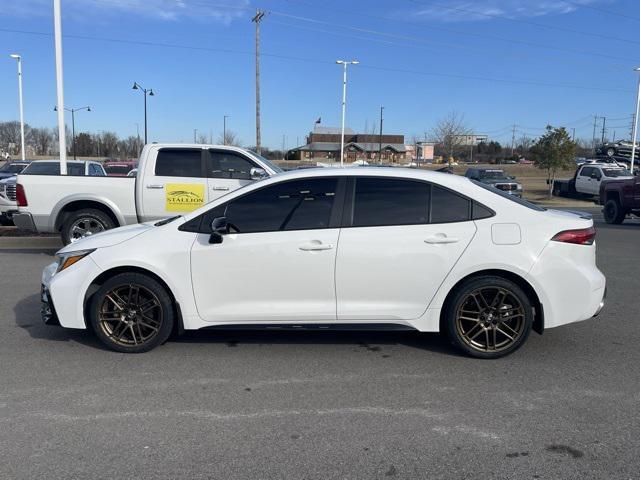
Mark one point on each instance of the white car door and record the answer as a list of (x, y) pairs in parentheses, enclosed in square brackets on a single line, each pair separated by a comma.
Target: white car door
[(584, 182), (227, 171), (173, 183), (277, 263), (405, 238)]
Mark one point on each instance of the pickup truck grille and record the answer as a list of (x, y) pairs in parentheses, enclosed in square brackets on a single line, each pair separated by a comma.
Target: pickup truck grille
[(506, 186), (11, 192)]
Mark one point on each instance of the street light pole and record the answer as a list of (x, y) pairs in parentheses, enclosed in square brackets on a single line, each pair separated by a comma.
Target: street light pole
[(344, 63), (19, 59), (380, 146), (62, 139), (145, 91), (635, 123), (73, 124)]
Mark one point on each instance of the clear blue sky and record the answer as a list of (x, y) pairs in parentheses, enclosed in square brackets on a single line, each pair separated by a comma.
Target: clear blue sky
[(561, 62)]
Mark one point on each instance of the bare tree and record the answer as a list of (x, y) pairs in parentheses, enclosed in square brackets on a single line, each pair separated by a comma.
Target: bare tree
[(10, 136), (229, 138), (42, 139), (450, 132), (203, 138)]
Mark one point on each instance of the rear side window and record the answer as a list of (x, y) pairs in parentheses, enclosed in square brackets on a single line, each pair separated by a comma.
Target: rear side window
[(447, 206), (179, 162), (228, 165), (296, 205), (390, 201)]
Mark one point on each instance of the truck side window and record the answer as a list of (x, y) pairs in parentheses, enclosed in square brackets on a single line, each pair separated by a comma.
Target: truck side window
[(228, 165), (179, 162)]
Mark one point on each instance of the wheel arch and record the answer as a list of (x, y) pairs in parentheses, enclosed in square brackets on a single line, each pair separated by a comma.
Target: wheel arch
[(613, 195), (107, 274), (527, 288), (62, 211)]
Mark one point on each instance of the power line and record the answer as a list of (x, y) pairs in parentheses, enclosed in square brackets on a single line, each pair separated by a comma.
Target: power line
[(603, 10), (325, 62)]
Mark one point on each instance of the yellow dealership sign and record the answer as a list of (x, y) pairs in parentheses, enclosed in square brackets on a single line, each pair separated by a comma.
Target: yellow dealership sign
[(183, 197)]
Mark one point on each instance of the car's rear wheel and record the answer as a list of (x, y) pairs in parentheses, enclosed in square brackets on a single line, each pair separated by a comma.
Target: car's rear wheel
[(488, 317), (131, 313), (610, 152), (613, 212), (83, 223)]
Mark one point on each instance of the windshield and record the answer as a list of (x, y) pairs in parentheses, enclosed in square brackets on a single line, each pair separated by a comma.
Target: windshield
[(272, 165), (616, 172), (493, 174), (12, 167), (512, 198)]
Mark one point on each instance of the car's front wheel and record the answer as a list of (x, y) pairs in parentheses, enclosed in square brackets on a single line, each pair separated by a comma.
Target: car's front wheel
[(610, 152), (131, 313), (488, 317)]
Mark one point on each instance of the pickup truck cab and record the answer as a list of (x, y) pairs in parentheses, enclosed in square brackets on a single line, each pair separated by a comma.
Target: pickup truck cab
[(172, 179), (588, 179), (620, 198)]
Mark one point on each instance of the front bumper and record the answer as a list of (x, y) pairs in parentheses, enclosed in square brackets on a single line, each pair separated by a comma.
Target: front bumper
[(602, 302), (24, 221)]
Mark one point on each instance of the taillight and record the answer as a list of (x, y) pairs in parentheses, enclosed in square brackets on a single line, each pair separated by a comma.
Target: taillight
[(21, 198), (582, 236)]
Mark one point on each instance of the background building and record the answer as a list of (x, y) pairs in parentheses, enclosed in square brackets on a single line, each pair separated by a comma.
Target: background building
[(324, 144)]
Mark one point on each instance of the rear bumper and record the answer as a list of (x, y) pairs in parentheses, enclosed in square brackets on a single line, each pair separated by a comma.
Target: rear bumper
[(24, 221)]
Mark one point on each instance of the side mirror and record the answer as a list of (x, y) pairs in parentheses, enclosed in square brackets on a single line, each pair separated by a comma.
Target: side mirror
[(258, 173), (219, 227)]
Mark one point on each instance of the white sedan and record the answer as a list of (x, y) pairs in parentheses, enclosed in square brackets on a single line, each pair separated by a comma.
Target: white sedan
[(381, 248)]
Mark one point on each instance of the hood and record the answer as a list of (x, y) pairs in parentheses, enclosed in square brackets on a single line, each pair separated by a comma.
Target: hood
[(7, 175), (108, 238), (493, 181)]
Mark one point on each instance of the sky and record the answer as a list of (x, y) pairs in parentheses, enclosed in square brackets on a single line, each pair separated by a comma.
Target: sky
[(497, 62)]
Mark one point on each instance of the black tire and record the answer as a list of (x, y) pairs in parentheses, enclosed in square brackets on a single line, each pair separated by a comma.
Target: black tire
[(613, 212), (95, 220), (610, 152), (507, 326), (136, 325)]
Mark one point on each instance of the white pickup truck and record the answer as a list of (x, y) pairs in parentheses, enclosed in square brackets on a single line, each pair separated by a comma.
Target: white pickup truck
[(588, 178), (172, 179)]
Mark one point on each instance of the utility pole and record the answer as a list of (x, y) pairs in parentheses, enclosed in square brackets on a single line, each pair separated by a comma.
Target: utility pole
[(195, 131), (593, 140), (604, 123), (513, 138), (573, 136), (636, 114), (224, 129), (380, 146), (283, 147), (257, 19)]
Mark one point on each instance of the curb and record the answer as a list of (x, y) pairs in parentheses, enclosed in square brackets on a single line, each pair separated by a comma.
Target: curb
[(22, 243)]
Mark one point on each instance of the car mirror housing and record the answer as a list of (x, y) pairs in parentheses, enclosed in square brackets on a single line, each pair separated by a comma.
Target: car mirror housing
[(219, 227), (258, 173)]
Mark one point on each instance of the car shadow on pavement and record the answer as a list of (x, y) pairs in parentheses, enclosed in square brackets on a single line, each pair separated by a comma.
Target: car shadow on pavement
[(27, 316), (372, 341)]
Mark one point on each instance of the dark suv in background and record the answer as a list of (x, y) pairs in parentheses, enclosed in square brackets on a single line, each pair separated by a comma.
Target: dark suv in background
[(496, 178)]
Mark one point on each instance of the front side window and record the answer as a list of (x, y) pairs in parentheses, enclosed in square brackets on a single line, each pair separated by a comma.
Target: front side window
[(390, 201), (179, 162), (296, 205), (228, 165), (586, 172)]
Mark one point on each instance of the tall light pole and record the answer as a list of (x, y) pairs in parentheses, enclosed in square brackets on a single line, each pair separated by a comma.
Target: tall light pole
[(635, 123), (137, 86), (344, 64), (57, 36), (224, 129), (73, 124), (257, 19), (380, 146), (19, 59)]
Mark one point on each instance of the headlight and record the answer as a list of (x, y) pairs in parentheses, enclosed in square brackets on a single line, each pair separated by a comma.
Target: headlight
[(65, 260), (518, 187)]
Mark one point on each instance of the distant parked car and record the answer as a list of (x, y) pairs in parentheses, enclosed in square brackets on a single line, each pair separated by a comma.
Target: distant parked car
[(132, 173), (11, 169), (119, 169), (496, 178), (621, 148), (8, 204)]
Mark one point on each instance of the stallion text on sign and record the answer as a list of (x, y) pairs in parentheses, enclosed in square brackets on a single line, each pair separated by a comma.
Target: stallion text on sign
[(184, 197)]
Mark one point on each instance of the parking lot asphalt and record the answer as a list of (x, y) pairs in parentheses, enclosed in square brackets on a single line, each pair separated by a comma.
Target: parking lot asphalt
[(264, 405)]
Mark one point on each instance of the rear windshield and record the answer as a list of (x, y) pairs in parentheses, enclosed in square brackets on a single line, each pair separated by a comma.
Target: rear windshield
[(616, 172), (512, 198), (53, 168), (492, 174)]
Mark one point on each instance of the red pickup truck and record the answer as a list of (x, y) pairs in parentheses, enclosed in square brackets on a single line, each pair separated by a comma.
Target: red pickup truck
[(620, 198)]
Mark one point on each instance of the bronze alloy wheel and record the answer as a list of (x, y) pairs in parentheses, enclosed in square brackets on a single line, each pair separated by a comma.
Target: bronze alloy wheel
[(130, 315), (490, 319)]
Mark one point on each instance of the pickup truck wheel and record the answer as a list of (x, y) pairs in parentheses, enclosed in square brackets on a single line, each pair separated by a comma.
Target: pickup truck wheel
[(131, 313), (613, 212), (84, 223)]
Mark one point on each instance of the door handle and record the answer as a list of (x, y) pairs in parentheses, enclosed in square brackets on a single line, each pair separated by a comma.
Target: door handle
[(441, 238), (315, 246), (219, 188), (155, 186)]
